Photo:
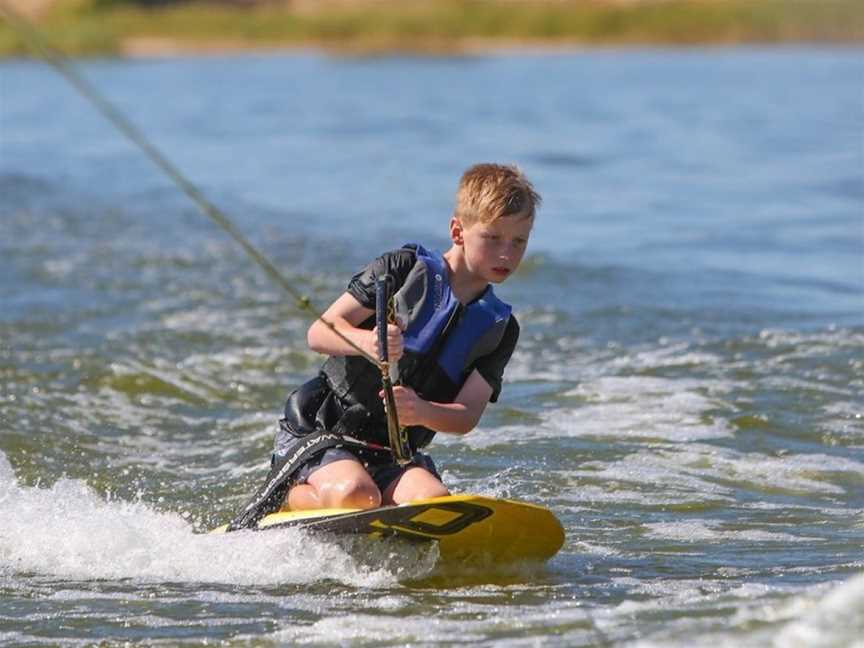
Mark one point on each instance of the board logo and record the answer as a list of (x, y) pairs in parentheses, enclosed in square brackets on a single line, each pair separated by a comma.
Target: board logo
[(432, 521)]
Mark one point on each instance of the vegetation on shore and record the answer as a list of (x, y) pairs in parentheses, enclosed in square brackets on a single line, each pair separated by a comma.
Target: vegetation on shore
[(99, 27)]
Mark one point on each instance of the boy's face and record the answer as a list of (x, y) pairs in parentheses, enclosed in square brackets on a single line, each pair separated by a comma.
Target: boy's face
[(493, 250)]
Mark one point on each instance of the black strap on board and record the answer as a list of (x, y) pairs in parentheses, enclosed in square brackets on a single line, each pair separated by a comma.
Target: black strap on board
[(270, 496)]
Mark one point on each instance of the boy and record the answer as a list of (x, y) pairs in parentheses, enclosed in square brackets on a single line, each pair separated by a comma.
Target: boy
[(452, 343)]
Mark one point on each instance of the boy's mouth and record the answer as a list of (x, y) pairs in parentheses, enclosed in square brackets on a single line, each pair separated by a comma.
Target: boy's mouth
[(501, 271)]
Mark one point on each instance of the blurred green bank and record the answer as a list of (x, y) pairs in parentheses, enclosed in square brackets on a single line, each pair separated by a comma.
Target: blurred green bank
[(152, 27)]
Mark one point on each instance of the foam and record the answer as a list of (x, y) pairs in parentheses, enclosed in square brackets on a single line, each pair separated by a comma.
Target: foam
[(791, 383), (701, 471), (409, 626), (844, 419), (665, 487), (782, 616), (633, 407), (832, 619), (712, 531), (376, 628), (822, 616), (701, 475), (798, 473), (688, 599), (569, 360), (674, 355), (646, 407), (507, 483), (805, 344), (68, 531)]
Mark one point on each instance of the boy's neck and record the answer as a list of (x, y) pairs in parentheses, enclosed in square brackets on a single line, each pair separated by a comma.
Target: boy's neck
[(463, 283)]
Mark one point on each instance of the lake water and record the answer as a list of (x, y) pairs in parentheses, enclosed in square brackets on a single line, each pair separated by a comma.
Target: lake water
[(687, 395)]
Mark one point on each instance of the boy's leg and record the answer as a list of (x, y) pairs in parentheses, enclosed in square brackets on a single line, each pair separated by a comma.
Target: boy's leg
[(414, 483), (340, 484)]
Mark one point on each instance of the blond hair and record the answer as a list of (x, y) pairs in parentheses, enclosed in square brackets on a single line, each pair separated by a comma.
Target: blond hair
[(491, 191)]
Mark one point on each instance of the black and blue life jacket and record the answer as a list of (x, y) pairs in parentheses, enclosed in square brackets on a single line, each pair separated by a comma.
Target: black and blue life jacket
[(443, 339)]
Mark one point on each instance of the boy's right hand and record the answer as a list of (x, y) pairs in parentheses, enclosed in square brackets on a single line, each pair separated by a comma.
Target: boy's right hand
[(395, 349)]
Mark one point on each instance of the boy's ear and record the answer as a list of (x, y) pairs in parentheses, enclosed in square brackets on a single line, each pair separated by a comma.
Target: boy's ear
[(456, 231)]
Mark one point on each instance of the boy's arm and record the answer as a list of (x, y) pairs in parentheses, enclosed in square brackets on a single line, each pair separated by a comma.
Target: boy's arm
[(458, 417), (346, 314), (482, 386)]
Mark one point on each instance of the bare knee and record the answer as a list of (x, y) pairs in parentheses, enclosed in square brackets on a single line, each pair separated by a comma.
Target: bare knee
[(300, 498), (416, 483), (430, 490), (350, 492)]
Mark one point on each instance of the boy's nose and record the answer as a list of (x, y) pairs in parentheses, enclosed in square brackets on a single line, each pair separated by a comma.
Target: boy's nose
[(508, 249)]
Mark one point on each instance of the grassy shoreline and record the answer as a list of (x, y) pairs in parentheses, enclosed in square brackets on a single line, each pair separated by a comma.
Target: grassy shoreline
[(84, 27)]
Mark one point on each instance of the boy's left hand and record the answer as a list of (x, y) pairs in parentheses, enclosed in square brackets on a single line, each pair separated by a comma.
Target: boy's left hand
[(408, 405)]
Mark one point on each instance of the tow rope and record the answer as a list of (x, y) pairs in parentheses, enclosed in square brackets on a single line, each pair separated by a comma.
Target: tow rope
[(61, 63), (270, 495)]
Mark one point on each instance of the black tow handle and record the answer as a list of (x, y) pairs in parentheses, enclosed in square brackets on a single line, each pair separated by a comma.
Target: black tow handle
[(396, 434)]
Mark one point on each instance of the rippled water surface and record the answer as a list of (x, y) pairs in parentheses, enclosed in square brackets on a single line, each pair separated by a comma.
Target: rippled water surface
[(686, 395)]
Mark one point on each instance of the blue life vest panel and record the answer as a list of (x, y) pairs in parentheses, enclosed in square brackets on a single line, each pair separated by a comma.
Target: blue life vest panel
[(443, 338), (426, 305)]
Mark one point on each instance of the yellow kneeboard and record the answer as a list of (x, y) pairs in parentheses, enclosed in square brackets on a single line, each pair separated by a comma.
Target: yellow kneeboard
[(466, 527)]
